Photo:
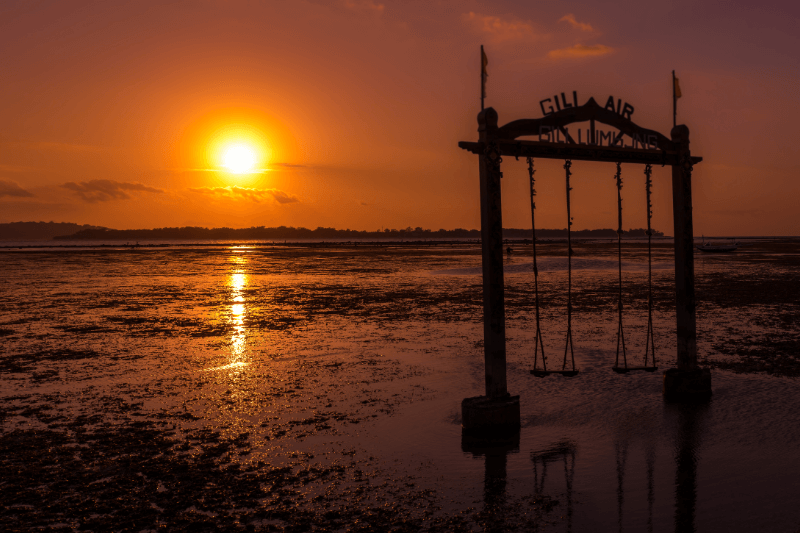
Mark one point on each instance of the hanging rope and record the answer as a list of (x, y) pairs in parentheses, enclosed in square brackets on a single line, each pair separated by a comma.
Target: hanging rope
[(650, 341), (538, 338), (568, 347), (620, 330)]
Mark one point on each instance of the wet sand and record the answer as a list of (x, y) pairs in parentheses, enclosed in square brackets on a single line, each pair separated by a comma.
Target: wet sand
[(293, 389)]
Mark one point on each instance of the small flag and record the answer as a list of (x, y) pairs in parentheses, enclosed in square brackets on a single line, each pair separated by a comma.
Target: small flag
[(484, 74), (677, 88)]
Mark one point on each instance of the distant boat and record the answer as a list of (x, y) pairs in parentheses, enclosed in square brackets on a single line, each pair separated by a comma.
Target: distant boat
[(717, 248)]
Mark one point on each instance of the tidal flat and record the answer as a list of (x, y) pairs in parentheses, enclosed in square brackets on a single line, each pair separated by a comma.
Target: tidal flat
[(267, 388)]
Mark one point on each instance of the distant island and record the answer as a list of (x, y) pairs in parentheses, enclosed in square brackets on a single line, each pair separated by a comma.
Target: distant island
[(292, 233), (65, 231), (41, 231)]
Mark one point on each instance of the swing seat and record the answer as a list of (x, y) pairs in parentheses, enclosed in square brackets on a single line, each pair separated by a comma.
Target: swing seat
[(545, 373), (625, 370)]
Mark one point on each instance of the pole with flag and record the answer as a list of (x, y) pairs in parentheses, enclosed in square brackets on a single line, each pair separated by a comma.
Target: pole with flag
[(676, 93), (484, 75)]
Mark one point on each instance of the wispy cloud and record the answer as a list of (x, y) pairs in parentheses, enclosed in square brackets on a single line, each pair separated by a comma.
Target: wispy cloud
[(583, 26), (10, 188), (105, 190), (498, 28), (244, 193), (580, 50)]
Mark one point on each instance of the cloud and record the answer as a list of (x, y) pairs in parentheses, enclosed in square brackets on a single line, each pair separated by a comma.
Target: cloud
[(583, 26), (580, 50), (105, 190), (498, 28), (365, 6), (10, 188), (244, 193)]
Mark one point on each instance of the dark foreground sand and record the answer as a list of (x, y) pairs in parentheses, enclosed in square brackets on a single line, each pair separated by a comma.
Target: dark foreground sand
[(294, 390)]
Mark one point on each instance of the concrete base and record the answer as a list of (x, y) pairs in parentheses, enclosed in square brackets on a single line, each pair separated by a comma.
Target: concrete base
[(488, 417), (687, 385)]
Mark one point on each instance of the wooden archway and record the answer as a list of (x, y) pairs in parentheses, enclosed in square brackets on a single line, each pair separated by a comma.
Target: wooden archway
[(646, 146)]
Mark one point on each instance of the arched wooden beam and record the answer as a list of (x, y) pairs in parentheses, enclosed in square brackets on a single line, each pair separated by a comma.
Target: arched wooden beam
[(587, 112)]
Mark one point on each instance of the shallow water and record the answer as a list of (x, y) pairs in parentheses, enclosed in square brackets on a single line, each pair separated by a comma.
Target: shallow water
[(312, 388)]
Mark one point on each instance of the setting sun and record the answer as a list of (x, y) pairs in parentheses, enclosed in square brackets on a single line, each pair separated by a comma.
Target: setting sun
[(239, 159)]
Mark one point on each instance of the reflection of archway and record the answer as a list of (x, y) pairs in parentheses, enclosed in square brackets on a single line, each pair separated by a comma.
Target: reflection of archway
[(621, 447), (684, 422), (561, 451), (688, 435), (621, 455), (495, 451)]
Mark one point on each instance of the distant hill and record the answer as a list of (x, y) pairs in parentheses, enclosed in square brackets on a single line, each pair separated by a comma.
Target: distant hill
[(291, 233), (40, 231)]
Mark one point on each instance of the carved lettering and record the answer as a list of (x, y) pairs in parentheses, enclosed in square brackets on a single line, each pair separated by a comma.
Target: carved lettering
[(593, 137), (627, 111)]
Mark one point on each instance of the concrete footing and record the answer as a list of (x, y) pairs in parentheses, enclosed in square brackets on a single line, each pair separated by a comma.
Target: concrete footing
[(687, 385), (485, 417)]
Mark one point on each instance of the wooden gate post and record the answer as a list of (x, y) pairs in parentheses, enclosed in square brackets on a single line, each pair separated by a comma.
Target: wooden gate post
[(497, 409), (494, 312), (687, 381)]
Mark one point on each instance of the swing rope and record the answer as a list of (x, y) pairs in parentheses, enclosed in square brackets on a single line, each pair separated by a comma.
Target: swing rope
[(568, 347), (538, 338), (650, 341), (620, 330)]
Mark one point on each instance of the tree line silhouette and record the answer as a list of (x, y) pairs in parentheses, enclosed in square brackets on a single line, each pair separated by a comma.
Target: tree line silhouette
[(293, 233)]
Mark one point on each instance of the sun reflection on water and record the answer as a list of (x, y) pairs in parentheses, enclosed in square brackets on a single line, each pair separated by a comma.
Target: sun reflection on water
[(237, 283)]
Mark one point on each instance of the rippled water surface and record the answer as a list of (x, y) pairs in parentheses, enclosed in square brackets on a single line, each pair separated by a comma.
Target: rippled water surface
[(301, 388)]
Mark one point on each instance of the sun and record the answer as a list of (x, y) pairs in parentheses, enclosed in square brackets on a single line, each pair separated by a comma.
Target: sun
[(239, 158)]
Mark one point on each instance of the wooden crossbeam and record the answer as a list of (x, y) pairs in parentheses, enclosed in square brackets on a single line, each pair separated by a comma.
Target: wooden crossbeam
[(579, 152)]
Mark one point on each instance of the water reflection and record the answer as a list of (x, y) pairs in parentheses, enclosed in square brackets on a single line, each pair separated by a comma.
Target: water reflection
[(621, 453), (684, 423), (635, 445), (688, 421), (495, 451), (560, 452), (238, 341)]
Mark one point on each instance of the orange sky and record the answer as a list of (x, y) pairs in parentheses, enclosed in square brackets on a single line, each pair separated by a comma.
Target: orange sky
[(109, 110)]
